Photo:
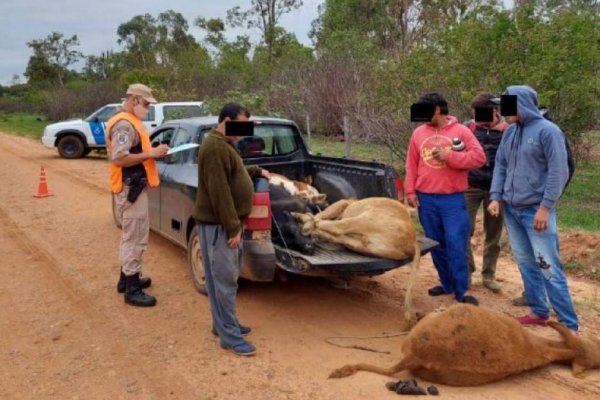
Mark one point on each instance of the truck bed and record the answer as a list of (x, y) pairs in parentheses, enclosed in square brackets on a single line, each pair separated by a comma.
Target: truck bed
[(341, 261)]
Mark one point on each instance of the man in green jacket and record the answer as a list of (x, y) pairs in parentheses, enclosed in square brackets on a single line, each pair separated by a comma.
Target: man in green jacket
[(223, 200)]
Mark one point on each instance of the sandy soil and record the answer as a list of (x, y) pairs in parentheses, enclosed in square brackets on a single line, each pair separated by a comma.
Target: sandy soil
[(66, 333)]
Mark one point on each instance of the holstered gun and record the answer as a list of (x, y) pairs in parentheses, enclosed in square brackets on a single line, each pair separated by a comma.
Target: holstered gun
[(136, 182)]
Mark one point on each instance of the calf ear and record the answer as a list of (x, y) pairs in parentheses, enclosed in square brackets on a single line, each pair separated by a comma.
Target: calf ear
[(322, 197)]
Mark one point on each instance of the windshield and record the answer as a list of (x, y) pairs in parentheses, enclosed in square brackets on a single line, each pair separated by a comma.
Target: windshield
[(103, 114)]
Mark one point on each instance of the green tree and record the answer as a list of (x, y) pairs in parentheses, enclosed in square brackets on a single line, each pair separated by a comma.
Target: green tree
[(214, 28), (232, 69), (264, 15), (390, 25), (51, 59), (105, 66), (139, 36), (162, 51), (173, 37)]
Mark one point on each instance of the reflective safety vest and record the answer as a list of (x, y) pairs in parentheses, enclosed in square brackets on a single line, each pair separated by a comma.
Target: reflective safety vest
[(116, 172)]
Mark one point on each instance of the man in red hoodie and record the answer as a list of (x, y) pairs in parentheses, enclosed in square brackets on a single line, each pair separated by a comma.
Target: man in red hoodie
[(440, 154)]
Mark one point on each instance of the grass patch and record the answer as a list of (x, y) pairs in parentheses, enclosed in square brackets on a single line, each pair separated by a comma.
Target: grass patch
[(579, 208), (588, 303), (23, 124), (360, 151), (583, 266), (574, 267)]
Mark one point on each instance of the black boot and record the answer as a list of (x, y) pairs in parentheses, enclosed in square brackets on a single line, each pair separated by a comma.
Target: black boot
[(144, 282), (134, 294)]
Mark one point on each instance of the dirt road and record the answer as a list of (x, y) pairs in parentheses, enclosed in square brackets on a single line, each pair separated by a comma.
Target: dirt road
[(66, 333)]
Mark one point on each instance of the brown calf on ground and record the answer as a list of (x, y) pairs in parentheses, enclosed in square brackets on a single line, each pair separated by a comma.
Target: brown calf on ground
[(467, 346)]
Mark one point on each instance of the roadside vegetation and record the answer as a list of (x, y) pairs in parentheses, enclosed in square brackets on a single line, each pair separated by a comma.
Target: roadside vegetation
[(369, 60), (579, 207), (23, 124)]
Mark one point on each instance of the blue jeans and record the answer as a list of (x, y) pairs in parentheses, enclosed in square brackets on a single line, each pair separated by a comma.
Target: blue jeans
[(445, 219), (536, 254)]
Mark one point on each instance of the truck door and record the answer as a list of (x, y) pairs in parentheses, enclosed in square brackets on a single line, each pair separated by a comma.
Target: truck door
[(180, 178), (163, 136)]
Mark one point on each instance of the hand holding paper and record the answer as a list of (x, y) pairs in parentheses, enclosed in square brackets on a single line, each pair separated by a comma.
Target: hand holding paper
[(182, 147)]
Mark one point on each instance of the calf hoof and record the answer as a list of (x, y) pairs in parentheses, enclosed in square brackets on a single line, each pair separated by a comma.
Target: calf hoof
[(432, 390)]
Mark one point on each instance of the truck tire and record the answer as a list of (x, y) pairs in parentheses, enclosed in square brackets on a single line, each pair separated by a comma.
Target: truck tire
[(70, 147), (195, 262), (116, 218)]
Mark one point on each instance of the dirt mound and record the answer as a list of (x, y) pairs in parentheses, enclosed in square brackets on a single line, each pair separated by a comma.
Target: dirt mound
[(579, 250)]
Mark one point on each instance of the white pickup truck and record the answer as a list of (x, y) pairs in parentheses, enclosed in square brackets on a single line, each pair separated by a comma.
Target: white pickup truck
[(75, 138)]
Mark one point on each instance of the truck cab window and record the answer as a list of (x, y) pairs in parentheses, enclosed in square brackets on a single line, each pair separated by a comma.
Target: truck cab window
[(103, 114), (268, 140), (163, 137)]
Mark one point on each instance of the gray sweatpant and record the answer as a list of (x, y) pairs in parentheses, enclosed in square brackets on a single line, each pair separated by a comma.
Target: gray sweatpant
[(135, 229), (222, 266)]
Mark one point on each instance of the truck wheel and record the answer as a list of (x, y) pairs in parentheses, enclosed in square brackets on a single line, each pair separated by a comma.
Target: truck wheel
[(70, 147), (195, 261), (116, 217)]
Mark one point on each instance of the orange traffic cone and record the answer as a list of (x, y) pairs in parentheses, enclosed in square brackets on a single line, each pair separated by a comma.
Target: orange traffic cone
[(43, 186)]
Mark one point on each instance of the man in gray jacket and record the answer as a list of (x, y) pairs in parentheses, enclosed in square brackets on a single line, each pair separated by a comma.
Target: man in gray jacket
[(530, 174)]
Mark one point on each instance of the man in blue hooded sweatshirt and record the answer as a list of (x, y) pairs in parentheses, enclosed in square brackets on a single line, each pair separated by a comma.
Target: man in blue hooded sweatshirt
[(529, 176)]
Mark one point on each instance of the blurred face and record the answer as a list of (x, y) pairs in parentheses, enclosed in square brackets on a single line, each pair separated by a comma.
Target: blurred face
[(240, 117), (495, 119), (140, 108), (438, 119)]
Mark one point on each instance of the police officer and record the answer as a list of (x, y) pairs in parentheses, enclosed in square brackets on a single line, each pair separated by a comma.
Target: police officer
[(132, 170)]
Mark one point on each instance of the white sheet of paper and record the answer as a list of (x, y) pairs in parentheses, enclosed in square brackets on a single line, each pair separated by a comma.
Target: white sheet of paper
[(182, 147)]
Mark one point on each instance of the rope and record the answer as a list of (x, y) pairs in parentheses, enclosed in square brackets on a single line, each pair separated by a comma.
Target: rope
[(281, 236), (329, 339)]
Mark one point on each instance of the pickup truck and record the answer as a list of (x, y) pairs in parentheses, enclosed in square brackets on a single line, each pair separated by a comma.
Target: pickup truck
[(278, 147), (76, 138)]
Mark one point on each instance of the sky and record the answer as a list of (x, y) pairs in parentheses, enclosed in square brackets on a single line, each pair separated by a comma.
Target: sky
[(95, 23)]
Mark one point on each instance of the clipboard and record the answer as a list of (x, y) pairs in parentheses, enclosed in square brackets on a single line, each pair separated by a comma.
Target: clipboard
[(182, 147)]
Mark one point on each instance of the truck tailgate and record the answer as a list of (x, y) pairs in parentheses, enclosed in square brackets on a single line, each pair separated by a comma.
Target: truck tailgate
[(341, 261)]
